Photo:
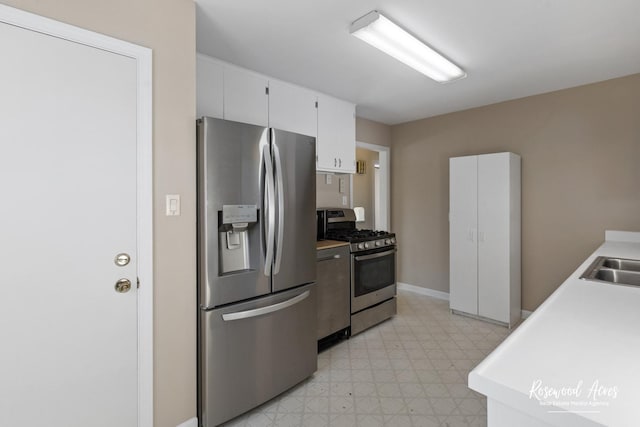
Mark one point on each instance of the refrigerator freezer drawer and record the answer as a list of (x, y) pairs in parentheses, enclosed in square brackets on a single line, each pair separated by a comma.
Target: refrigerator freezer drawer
[(254, 351)]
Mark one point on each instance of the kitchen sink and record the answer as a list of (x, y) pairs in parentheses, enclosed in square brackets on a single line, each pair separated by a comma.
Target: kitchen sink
[(622, 264), (618, 276), (620, 271)]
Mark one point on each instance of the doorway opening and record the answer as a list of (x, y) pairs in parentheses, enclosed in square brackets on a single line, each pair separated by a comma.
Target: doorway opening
[(370, 186)]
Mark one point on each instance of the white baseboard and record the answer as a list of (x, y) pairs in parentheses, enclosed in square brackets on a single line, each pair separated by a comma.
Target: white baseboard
[(193, 422), (423, 291), (439, 294)]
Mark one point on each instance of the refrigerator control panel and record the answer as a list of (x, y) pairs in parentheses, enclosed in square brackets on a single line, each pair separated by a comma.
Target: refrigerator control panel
[(239, 213)]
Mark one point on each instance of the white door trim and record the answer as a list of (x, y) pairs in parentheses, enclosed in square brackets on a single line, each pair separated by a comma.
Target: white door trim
[(385, 181), (143, 57)]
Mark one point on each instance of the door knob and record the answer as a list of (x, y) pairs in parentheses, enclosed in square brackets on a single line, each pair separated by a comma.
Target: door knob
[(123, 286)]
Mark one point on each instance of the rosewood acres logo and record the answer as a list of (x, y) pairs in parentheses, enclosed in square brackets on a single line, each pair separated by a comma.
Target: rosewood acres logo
[(578, 398)]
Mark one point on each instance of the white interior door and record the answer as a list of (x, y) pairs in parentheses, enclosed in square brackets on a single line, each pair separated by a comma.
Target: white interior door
[(463, 226), (68, 174)]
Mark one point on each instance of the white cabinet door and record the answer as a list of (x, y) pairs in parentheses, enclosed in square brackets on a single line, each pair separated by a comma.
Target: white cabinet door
[(347, 151), (245, 96), (209, 87), (493, 236), (336, 143), (463, 249), (292, 108)]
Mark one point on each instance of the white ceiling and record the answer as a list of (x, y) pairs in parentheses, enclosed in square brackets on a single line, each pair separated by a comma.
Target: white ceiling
[(509, 49)]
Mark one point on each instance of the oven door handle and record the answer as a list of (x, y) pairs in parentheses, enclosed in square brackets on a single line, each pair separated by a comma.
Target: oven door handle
[(378, 255)]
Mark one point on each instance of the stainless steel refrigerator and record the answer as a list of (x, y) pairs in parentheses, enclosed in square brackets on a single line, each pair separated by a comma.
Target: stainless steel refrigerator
[(256, 265)]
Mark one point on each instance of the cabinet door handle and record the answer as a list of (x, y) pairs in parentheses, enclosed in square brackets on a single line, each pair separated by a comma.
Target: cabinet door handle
[(329, 258), (340, 162), (335, 162)]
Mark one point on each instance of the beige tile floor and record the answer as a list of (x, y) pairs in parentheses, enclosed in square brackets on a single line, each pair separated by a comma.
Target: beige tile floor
[(408, 371)]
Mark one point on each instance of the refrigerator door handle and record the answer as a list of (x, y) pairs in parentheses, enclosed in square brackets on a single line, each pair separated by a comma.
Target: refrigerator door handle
[(265, 310), (269, 206), (280, 196)]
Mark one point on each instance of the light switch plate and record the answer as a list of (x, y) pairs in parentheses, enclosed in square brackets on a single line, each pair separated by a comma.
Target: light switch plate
[(344, 201), (327, 179), (341, 185), (173, 204)]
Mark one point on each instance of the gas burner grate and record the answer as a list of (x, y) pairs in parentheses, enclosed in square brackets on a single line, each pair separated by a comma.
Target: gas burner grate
[(357, 235)]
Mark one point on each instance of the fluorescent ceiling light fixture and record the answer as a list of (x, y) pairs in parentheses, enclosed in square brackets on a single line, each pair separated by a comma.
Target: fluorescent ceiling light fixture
[(383, 34)]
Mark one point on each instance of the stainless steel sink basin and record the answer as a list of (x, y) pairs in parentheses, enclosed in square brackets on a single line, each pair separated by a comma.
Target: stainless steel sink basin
[(622, 264), (618, 276), (620, 271)]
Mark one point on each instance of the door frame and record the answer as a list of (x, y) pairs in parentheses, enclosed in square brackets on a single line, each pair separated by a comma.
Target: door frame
[(384, 158), (144, 184)]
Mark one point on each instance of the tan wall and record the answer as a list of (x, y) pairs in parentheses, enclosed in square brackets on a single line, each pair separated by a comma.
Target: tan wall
[(329, 195), (580, 153), (364, 187), (373, 132), (167, 27)]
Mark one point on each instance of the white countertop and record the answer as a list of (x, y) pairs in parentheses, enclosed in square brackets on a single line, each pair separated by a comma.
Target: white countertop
[(585, 334)]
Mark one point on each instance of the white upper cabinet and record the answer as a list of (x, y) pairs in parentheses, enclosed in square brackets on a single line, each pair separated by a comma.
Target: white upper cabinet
[(292, 108), (245, 96), (209, 92), (336, 141), (233, 93)]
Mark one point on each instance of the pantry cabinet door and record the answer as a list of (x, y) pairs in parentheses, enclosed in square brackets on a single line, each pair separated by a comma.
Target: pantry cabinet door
[(463, 226), (493, 236)]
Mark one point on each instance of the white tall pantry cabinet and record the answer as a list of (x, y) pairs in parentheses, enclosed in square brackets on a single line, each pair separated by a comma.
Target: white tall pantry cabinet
[(484, 236)]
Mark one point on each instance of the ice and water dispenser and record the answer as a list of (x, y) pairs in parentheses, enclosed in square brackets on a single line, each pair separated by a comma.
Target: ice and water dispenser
[(235, 231)]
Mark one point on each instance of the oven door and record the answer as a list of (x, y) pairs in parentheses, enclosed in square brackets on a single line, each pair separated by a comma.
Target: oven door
[(373, 278)]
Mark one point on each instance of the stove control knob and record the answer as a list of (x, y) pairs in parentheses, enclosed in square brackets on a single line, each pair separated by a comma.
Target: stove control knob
[(393, 240), (378, 242), (387, 241), (366, 245), (360, 245)]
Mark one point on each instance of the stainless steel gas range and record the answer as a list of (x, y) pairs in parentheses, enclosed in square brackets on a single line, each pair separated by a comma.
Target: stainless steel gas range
[(373, 268)]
